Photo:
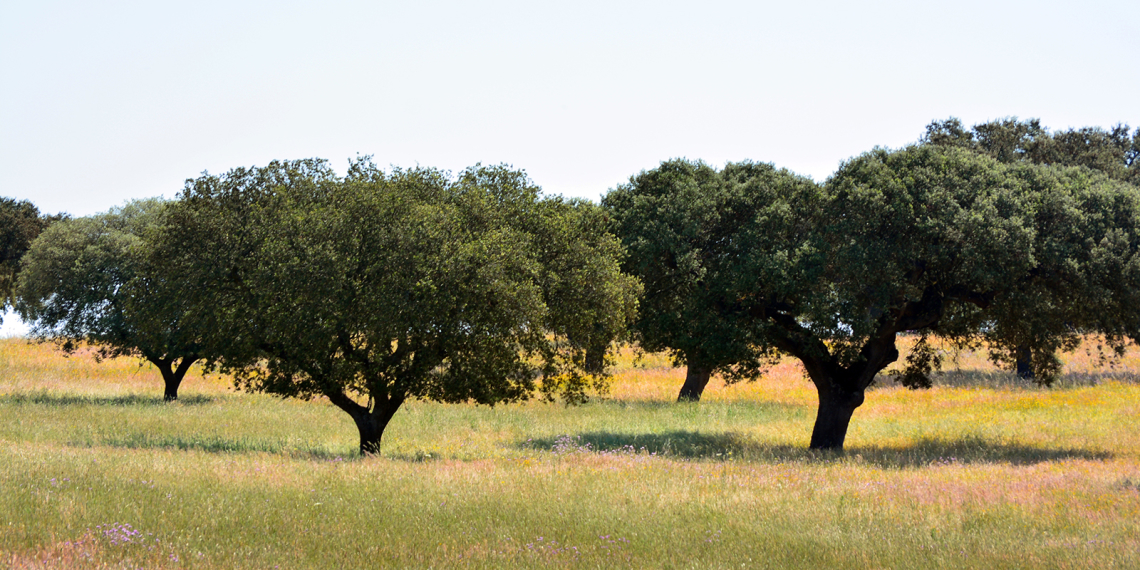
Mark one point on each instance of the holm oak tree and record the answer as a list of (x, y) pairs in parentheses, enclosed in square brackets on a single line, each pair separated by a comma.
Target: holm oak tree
[(680, 224), (380, 287), (927, 239), (92, 280)]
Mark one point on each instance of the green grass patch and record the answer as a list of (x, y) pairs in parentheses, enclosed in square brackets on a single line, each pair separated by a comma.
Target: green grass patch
[(98, 472)]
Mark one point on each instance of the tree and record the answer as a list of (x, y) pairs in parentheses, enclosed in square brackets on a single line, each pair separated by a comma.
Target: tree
[(927, 239), (679, 223), (20, 223), (376, 288), (91, 280), (1112, 152)]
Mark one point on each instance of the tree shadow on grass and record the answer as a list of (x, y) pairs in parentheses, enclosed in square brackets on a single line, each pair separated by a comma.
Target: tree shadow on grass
[(62, 400), (753, 408), (735, 447), (1003, 380), (218, 444), (246, 445)]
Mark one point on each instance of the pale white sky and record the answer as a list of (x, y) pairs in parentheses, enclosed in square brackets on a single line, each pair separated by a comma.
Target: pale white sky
[(101, 102)]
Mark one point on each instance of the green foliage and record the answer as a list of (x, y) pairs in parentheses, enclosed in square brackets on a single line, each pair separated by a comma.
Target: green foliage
[(380, 287), (20, 223), (922, 360), (1022, 255), (1113, 152), (92, 280), (1089, 225), (682, 224), (934, 239)]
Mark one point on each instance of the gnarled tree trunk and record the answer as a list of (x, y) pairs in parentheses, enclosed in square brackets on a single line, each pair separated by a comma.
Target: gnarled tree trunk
[(836, 405), (696, 378), (370, 423), (841, 388), (172, 376)]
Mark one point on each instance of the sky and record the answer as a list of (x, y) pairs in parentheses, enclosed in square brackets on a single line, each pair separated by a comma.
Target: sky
[(103, 102)]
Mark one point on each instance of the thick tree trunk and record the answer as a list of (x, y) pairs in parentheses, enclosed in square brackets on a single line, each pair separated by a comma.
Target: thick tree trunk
[(370, 423), (833, 416), (1024, 363), (370, 433), (696, 378), (840, 385), (596, 359), (172, 376)]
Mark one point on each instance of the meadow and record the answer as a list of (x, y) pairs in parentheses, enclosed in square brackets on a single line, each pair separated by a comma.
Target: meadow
[(980, 471)]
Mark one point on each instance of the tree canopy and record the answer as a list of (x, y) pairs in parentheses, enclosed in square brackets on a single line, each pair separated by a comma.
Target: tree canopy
[(380, 287), (20, 223), (1111, 152), (931, 239), (680, 224), (92, 280)]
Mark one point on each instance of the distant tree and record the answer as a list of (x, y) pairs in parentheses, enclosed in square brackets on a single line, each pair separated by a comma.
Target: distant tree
[(932, 240), (20, 223), (383, 287), (91, 280), (591, 302), (680, 223), (1112, 152)]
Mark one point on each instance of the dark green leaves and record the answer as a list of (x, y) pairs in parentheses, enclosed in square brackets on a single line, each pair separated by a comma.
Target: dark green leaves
[(712, 248), (406, 283), (93, 279), (20, 223)]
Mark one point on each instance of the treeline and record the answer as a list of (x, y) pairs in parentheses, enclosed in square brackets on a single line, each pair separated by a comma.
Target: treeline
[(380, 286)]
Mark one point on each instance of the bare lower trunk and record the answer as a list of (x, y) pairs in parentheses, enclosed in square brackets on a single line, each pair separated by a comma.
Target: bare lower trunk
[(370, 423), (370, 433), (696, 378), (833, 416), (172, 376), (1024, 363)]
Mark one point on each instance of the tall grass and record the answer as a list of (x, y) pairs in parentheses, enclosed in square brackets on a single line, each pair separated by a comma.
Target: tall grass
[(97, 472)]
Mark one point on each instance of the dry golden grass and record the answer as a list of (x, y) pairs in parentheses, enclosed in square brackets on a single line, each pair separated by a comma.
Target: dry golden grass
[(31, 367), (980, 472)]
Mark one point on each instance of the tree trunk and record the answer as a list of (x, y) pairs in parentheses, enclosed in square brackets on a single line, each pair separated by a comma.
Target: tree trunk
[(370, 423), (596, 358), (1024, 363), (836, 406), (696, 378), (172, 376)]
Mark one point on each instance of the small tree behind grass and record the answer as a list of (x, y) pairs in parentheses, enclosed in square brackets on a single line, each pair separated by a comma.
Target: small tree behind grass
[(377, 288), (91, 280)]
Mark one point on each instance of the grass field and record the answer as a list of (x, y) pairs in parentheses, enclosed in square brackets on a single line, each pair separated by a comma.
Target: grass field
[(978, 472)]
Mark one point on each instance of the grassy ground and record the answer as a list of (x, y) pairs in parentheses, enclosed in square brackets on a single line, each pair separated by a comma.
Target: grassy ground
[(978, 472)]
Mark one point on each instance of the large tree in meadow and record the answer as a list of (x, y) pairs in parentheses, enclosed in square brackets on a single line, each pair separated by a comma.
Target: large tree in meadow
[(927, 239), (380, 287), (91, 281)]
